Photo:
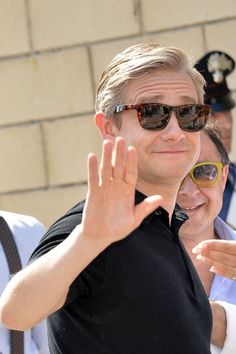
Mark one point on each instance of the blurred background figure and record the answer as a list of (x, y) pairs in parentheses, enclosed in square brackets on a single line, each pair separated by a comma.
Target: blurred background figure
[(215, 66), (19, 236)]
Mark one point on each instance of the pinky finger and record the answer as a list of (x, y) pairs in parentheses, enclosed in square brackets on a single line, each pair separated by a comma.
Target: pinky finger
[(92, 166)]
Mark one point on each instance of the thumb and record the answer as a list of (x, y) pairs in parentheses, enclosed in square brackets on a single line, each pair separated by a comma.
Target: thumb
[(146, 207)]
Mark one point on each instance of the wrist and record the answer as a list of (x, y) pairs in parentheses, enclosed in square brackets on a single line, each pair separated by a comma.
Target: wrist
[(88, 242)]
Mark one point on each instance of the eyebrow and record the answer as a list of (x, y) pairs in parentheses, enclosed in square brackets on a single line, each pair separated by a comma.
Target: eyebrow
[(159, 98), (151, 99), (189, 99)]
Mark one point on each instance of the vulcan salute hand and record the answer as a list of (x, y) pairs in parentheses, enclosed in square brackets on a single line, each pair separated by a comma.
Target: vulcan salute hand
[(110, 213)]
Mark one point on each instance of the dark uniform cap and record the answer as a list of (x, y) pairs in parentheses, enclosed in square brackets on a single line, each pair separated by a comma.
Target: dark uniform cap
[(214, 67)]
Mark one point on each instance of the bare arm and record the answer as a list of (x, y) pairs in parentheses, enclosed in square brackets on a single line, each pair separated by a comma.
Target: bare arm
[(218, 333), (109, 215), (220, 254)]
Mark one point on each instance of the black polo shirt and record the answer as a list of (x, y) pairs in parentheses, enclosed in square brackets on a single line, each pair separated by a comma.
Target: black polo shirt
[(141, 295)]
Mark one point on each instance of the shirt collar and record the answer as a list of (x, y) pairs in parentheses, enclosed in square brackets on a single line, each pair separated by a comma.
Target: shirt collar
[(178, 217)]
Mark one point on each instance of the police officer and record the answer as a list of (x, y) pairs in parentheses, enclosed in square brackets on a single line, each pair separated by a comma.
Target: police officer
[(215, 66)]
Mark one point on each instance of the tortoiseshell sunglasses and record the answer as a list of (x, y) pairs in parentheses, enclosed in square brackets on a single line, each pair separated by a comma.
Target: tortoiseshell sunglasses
[(156, 116)]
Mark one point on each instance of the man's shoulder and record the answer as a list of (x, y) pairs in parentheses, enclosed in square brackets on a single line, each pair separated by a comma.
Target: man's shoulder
[(77, 208), (66, 223), (59, 230), (71, 217), (26, 230), (17, 217), (17, 221)]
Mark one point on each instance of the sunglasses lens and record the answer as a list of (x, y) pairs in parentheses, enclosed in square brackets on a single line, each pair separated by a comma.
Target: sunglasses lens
[(154, 117), (205, 175), (192, 118)]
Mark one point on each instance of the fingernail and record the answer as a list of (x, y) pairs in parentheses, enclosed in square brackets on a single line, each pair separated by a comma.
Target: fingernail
[(196, 250), (201, 258), (199, 248), (213, 269)]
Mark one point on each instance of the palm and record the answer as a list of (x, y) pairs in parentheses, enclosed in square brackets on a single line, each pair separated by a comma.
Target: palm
[(110, 212)]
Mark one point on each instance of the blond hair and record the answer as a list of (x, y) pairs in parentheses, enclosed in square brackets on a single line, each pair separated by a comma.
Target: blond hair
[(138, 60)]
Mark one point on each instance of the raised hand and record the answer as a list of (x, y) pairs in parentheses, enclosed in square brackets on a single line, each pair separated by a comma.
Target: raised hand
[(220, 254), (110, 213)]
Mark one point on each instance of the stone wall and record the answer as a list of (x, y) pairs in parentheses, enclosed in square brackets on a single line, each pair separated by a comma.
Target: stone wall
[(52, 53)]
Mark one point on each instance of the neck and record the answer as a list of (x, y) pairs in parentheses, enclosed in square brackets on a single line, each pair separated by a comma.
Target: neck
[(167, 192), (191, 237)]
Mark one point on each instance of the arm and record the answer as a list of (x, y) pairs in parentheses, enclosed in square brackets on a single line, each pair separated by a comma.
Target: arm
[(229, 346), (109, 216), (220, 254), (218, 333)]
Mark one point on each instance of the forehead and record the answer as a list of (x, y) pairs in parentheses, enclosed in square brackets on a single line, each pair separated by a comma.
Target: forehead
[(208, 150), (159, 85)]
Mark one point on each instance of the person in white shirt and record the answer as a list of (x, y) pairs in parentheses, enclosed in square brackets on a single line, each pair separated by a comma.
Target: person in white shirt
[(27, 232), (200, 196)]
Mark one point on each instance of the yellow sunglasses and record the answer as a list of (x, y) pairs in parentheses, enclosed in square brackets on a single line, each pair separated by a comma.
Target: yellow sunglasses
[(206, 174)]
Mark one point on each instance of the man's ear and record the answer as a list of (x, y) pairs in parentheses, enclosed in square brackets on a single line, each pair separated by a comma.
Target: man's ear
[(225, 172), (105, 126)]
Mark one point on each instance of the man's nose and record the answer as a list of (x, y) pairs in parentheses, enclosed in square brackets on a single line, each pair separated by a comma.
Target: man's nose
[(188, 186), (173, 130)]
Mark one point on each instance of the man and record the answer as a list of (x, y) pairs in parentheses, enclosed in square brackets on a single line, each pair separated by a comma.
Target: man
[(200, 196), (215, 66), (23, 234), (111, 274)]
